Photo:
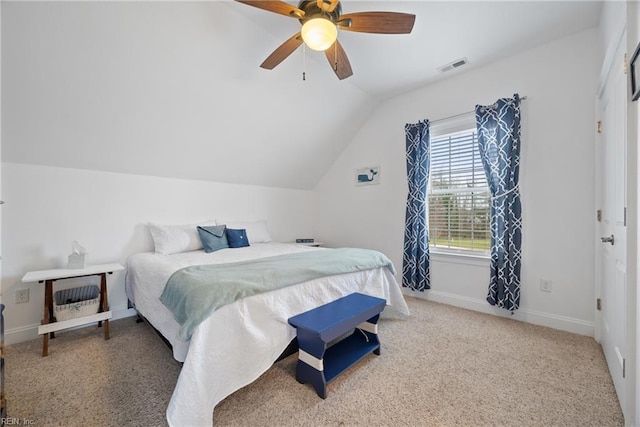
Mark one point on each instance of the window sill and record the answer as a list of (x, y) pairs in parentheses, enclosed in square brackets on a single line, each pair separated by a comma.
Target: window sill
[(481, 260)]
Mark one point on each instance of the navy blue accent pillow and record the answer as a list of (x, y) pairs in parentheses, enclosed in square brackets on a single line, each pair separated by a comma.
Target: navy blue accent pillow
[(213, 237), (237, 238)]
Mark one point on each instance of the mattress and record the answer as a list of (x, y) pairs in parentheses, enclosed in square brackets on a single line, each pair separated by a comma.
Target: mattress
[(239, 341)]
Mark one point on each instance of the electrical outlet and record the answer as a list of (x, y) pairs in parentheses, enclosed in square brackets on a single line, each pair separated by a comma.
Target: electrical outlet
[(22, 295), (545, 285)]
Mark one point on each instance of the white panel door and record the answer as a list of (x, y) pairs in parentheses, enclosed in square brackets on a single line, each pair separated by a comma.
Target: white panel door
[(611, 198), (0, 158)]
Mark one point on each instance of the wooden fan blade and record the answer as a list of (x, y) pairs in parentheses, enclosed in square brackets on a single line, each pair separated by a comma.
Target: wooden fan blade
[(327, 7), (378, 22), (276, 7), (282, 52), (340, 63)]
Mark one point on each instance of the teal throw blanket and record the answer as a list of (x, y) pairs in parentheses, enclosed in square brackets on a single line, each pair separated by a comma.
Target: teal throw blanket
[(193, 293)]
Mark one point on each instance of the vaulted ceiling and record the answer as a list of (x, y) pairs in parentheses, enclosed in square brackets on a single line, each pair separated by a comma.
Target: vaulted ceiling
[(444, 31), (175, 89)]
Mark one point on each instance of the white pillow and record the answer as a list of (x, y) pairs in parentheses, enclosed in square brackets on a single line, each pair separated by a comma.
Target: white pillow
[(256, 230), (172, 239)]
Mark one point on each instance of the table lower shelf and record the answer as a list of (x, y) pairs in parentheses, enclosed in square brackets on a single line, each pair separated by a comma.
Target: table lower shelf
[(71, 323)]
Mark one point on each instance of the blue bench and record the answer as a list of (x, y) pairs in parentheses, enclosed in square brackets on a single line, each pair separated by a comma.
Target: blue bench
[(317, 363)]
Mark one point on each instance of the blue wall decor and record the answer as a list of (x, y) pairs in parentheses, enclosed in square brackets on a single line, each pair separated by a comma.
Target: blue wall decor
[(368, 175)]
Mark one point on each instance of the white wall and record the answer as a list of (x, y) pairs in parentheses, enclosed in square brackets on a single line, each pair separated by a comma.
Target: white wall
[(49, 207), (612, 20), (557, 179), (168, 89)]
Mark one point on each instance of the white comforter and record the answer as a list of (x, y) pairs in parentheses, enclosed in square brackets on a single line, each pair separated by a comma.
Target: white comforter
[(239, 341)]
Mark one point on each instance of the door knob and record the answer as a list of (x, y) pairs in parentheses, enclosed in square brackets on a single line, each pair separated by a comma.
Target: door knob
[(607, 239)]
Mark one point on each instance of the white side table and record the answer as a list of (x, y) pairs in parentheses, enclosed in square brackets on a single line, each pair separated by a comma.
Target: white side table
[(49, 324)]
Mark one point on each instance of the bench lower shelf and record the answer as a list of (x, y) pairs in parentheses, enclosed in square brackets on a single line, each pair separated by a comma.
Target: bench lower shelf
[(346, 353)]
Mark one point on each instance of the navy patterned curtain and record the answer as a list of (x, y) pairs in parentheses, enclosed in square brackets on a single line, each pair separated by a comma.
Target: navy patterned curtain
[(415, 261), (499, 142)]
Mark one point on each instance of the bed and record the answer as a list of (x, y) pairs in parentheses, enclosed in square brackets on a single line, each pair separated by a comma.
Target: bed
[(238, 342)]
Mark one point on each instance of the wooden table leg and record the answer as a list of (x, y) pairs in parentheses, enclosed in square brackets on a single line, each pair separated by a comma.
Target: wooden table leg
[(104, 302), (48, 314)]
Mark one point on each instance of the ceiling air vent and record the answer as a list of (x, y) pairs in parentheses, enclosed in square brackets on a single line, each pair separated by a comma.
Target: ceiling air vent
[(455, 64)]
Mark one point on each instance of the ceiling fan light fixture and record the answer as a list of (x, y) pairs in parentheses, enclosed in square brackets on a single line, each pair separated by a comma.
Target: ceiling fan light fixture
[(320, 21), (319, 33)]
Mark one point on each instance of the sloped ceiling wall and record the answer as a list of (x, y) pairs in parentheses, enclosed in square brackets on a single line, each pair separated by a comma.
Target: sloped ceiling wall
[(158, 88)]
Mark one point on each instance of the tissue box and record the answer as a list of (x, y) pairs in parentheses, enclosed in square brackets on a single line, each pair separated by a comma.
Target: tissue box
[(76, 260)]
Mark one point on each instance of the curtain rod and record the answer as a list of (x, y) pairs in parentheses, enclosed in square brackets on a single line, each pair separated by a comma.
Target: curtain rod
[(522, 98)]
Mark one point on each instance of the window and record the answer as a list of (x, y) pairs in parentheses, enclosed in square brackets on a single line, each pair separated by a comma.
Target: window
[(458, 195)]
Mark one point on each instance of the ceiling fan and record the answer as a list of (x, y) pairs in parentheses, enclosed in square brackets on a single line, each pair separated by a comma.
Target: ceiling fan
[(320, 21)]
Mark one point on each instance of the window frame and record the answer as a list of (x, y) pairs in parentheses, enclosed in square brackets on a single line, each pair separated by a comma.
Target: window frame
[(440, 128)]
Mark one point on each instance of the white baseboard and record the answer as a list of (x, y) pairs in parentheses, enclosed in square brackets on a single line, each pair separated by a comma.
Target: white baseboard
[(21, 334), (122, 312), (563, 323), (30, 332)]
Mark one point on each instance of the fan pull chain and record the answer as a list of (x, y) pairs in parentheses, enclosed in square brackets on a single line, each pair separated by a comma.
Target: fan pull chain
[(304, 62), (335, 56)]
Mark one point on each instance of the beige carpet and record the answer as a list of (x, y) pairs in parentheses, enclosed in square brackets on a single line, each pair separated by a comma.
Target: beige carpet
[(444, 366)]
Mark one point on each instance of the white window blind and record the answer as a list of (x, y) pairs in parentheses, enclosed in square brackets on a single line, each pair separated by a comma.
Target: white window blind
[(459, 198)]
